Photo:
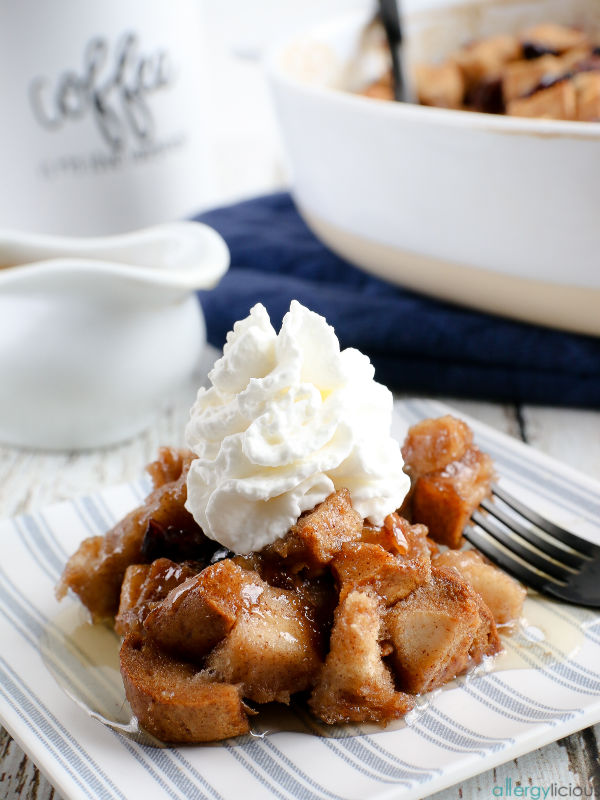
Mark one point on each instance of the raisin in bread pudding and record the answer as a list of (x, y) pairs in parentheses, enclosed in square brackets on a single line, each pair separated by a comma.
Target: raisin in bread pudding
[(270, 562)]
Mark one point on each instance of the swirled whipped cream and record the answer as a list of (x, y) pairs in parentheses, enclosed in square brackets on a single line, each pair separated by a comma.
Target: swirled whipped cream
[(289, 419)]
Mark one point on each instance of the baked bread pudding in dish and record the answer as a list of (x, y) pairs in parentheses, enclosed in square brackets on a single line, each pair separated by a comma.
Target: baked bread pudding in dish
[(288, 555), (548, 71)]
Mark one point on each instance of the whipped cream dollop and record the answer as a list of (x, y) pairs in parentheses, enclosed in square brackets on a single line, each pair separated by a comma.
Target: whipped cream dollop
[(288, 419)]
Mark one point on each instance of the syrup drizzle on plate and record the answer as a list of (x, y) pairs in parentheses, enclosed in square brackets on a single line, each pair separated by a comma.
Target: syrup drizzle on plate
[(84, 660)]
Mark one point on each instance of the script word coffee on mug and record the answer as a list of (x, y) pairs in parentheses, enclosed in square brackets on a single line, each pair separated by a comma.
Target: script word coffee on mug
[(103, 124)]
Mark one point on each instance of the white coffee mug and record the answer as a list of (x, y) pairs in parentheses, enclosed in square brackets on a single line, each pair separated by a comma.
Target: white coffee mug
[(102, 120)]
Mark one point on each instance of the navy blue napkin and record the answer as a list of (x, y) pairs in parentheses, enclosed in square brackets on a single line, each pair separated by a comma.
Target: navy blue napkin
[(416, 344)]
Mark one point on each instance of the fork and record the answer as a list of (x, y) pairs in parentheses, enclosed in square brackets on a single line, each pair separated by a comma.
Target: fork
[(539, 553)]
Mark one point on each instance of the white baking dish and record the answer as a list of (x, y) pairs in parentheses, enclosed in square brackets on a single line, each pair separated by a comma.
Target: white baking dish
[(499, 213)]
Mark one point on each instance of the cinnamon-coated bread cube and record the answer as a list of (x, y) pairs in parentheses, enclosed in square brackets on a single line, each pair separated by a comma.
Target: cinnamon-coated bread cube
[(168, 466), (440, 85), (391, 535), (444, 498), (484, 60), (522, 77), (587, 87), (144, 585), (503, 595), (556, 102), (553, 37), (433, 443), (359, 565), (273, 650), (131, 589), (199, 613), (438, 631), (172, 701), (354, 684), (486, 641), (95, 571), (320, 533)]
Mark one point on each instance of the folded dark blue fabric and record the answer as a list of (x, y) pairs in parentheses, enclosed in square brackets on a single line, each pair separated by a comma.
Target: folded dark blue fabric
[(416, 343)]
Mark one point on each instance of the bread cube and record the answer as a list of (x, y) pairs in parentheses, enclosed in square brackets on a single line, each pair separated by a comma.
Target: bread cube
[(444, 500), (433, 443), (522, 77), (354, 684), (438, 631), (556, 102), (440, 85), (503, 595), (145, 585), (272, 650), (200, 612), (168, 466), (95, 571), (587, 88), (392, 535), (484, 60), (359, 565), (171, 700), (319, 534), (554, 38)]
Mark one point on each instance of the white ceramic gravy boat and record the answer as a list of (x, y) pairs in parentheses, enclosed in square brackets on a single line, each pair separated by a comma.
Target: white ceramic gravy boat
[(97, 334)]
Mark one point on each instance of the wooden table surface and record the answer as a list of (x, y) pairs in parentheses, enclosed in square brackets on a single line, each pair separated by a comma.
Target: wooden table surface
[(246, 152)]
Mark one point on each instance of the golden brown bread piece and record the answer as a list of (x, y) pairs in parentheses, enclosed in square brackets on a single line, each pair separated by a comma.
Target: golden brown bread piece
[(354, 684), (587, 88), (391, 575), (557, 38), (438, 631), (144, 585), (172, 701), (522, 77), (485, 59), (95, 571), (555, 102), (168, 466), (503, 595), (273, 650), (359, 565), (445, 500), (391, 535), (441, 85), (199, 613), (319, 534), (131, 589), (450, 476), (432, 444)]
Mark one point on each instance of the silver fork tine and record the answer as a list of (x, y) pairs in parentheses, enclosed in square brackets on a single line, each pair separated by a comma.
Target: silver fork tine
[(513, 544), (505, 560), (568, 557), (572, 541)]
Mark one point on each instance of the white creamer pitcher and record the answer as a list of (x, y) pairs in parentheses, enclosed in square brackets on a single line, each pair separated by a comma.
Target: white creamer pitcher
[(97, 334)]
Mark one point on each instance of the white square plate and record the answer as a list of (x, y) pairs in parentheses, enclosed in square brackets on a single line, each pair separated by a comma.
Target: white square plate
[(545, 687)]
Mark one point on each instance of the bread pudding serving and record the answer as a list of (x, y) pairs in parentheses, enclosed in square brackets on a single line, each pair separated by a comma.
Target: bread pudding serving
[(292, 551), (546, 71)]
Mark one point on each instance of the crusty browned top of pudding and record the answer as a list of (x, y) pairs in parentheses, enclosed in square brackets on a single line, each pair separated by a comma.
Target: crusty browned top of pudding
[(353, 619), (547, 71)]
